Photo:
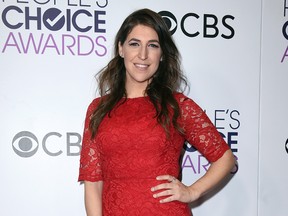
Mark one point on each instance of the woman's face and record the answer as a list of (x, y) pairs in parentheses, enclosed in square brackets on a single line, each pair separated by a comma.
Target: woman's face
[(142, 53)]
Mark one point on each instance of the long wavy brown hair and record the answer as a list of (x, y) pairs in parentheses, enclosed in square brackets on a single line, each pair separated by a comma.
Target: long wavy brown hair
[(167, 80)]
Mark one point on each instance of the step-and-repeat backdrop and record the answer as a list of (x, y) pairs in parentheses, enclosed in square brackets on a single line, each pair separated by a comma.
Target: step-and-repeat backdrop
[(273, 127), (234, 53)]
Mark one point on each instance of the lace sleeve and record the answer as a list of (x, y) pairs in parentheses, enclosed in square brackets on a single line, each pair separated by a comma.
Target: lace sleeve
[(200, 131), (90, 158)]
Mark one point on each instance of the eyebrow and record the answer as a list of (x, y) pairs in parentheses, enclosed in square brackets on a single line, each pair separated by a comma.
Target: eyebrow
[(135, 39)]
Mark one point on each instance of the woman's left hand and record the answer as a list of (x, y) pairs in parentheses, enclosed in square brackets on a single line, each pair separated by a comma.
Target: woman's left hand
[(174, 190)]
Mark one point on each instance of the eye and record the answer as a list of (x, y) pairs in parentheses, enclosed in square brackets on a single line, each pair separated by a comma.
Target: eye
[(133, 44), (154, 45), (188, 147), (25, 144), (170, 21)]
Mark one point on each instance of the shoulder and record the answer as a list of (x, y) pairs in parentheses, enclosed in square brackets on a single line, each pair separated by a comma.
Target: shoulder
[(180, 96), (93, 105), (186, 104), (182, 99)]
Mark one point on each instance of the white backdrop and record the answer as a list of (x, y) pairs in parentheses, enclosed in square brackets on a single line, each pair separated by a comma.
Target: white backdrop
[(273, 176), (50, 52)]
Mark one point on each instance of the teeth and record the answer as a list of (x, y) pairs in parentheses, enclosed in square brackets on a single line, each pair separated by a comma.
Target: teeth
[(141, 65)]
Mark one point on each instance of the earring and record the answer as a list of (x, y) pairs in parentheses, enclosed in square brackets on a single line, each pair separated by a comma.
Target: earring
[(121, 55)]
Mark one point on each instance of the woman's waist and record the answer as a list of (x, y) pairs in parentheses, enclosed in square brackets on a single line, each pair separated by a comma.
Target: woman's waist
[(128, 187), (138, 175), (132, 180)]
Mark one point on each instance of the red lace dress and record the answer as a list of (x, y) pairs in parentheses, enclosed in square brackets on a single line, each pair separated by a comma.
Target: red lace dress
[(131, 149)]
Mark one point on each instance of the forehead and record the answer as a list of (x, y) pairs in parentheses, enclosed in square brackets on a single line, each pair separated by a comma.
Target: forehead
[(142, 32)]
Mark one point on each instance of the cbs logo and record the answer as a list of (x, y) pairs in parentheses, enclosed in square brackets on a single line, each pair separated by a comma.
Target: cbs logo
[(211, 26), (286, 146), (25, 144)]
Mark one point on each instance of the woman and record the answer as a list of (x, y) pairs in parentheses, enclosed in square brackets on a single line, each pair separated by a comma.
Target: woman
[(135, 131)]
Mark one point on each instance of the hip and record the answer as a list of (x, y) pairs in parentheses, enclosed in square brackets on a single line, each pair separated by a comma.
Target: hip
[(134, 197)]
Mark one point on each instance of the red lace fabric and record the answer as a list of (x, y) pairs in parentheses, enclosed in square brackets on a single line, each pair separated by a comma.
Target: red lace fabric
[(131, 149)]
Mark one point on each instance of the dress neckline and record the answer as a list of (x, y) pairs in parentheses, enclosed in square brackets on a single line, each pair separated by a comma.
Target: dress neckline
[(135, 98)]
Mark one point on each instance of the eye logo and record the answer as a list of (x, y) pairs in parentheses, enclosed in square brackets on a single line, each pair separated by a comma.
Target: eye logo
[(286, 146), (25, 144), (170, 21)]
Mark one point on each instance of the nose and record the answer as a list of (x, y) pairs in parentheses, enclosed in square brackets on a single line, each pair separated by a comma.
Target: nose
[(143, 53)]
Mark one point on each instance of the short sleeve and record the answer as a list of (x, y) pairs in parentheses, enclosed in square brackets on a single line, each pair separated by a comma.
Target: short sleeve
[(200, 131), (90, 158)]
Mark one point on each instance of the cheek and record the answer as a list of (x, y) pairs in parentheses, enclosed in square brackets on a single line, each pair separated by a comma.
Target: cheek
[(158, 57), (157, 60), (126, 63), (129, 55)]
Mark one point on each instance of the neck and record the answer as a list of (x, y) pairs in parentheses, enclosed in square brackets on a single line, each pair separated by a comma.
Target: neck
[(134, 91)]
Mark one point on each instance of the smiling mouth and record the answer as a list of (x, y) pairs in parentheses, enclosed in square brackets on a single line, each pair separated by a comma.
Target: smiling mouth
[(141, 66)]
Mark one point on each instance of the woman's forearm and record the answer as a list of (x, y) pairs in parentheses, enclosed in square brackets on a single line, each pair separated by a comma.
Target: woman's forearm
[(215, 174), (93, 198)]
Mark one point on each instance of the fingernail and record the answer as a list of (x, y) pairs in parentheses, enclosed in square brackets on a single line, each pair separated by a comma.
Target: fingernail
[(154, 195), (152, 189)]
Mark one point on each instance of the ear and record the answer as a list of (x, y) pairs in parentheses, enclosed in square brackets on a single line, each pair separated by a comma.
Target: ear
[(120, 50)]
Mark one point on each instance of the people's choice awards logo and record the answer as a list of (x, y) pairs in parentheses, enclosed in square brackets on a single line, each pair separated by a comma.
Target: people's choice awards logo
[(50, 27), (285, 30), (228, 123), (26, 144)]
